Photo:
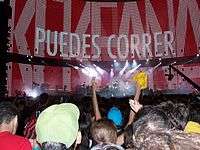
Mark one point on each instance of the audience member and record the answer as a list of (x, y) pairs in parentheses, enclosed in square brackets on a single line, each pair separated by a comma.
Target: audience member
[(57, 127), (115, 115), (157, 123), (8, 127), (104, 132)]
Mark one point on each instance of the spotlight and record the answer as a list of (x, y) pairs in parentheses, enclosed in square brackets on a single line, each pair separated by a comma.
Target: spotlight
[(116, 64), (99, 70), (29, 59), (32, 93), (173, 63), (89, 72), (111, 73), (76, 67), (31, 56), (130, 72), (84, 71), (160, 59), (125, 67), (197, 55), (157, 66), (82, 65), (134, 64)]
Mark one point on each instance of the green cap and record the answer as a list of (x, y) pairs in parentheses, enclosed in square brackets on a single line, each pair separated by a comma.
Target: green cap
[(58, 123)]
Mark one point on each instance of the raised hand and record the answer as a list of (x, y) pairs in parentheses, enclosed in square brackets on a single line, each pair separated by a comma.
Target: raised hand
[(135, 105), (94, 84)]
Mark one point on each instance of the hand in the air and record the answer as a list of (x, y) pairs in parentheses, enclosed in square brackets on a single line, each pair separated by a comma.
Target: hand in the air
[(94, 84), (135, 105)]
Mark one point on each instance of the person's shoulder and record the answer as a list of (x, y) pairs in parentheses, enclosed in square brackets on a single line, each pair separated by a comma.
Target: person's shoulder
[(21, 139), (18, 141)]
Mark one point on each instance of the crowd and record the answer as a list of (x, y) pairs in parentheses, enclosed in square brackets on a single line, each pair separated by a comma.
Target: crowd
[(166, 124)]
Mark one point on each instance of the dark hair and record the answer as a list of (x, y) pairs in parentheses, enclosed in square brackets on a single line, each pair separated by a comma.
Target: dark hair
[(128, 137), (155, 119), (8, 111), (53, 146), (84, 127), (194, 111), (169, 139), (152, 121), (104, 131), (177, 113)]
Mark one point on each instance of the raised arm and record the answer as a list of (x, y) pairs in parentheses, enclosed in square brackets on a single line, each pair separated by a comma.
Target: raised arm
[(135, 105), (95, 102)]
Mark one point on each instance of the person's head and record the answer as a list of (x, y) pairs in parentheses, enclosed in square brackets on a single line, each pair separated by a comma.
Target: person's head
[(169, 139), (20, 104), (177, 114), (126, 138), (152, 121), (43, 98), (149, 119), (58, 124), (8, 117), (194, 109), (53, 146), (84, 125), (43, 101), (104, 131), (115, 115), (180, 116), (146, 120)]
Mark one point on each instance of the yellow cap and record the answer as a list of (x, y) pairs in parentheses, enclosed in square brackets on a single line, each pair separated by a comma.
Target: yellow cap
[(192, 127), (141, 79)]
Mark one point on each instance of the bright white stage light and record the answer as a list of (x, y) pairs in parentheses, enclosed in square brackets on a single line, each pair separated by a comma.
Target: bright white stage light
[(111, 73), (99, 70), (157, 66), (76, 67), (89, 72), (130, 72), (116, 64), (173, 63), (134, 69), (32, 93), (126, 64), (84, 71), (82, 65), (134, 64), (125, 67)]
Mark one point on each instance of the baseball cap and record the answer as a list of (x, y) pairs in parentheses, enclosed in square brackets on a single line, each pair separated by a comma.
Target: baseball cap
[(115, 115), (192, 127), (58, 123)]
